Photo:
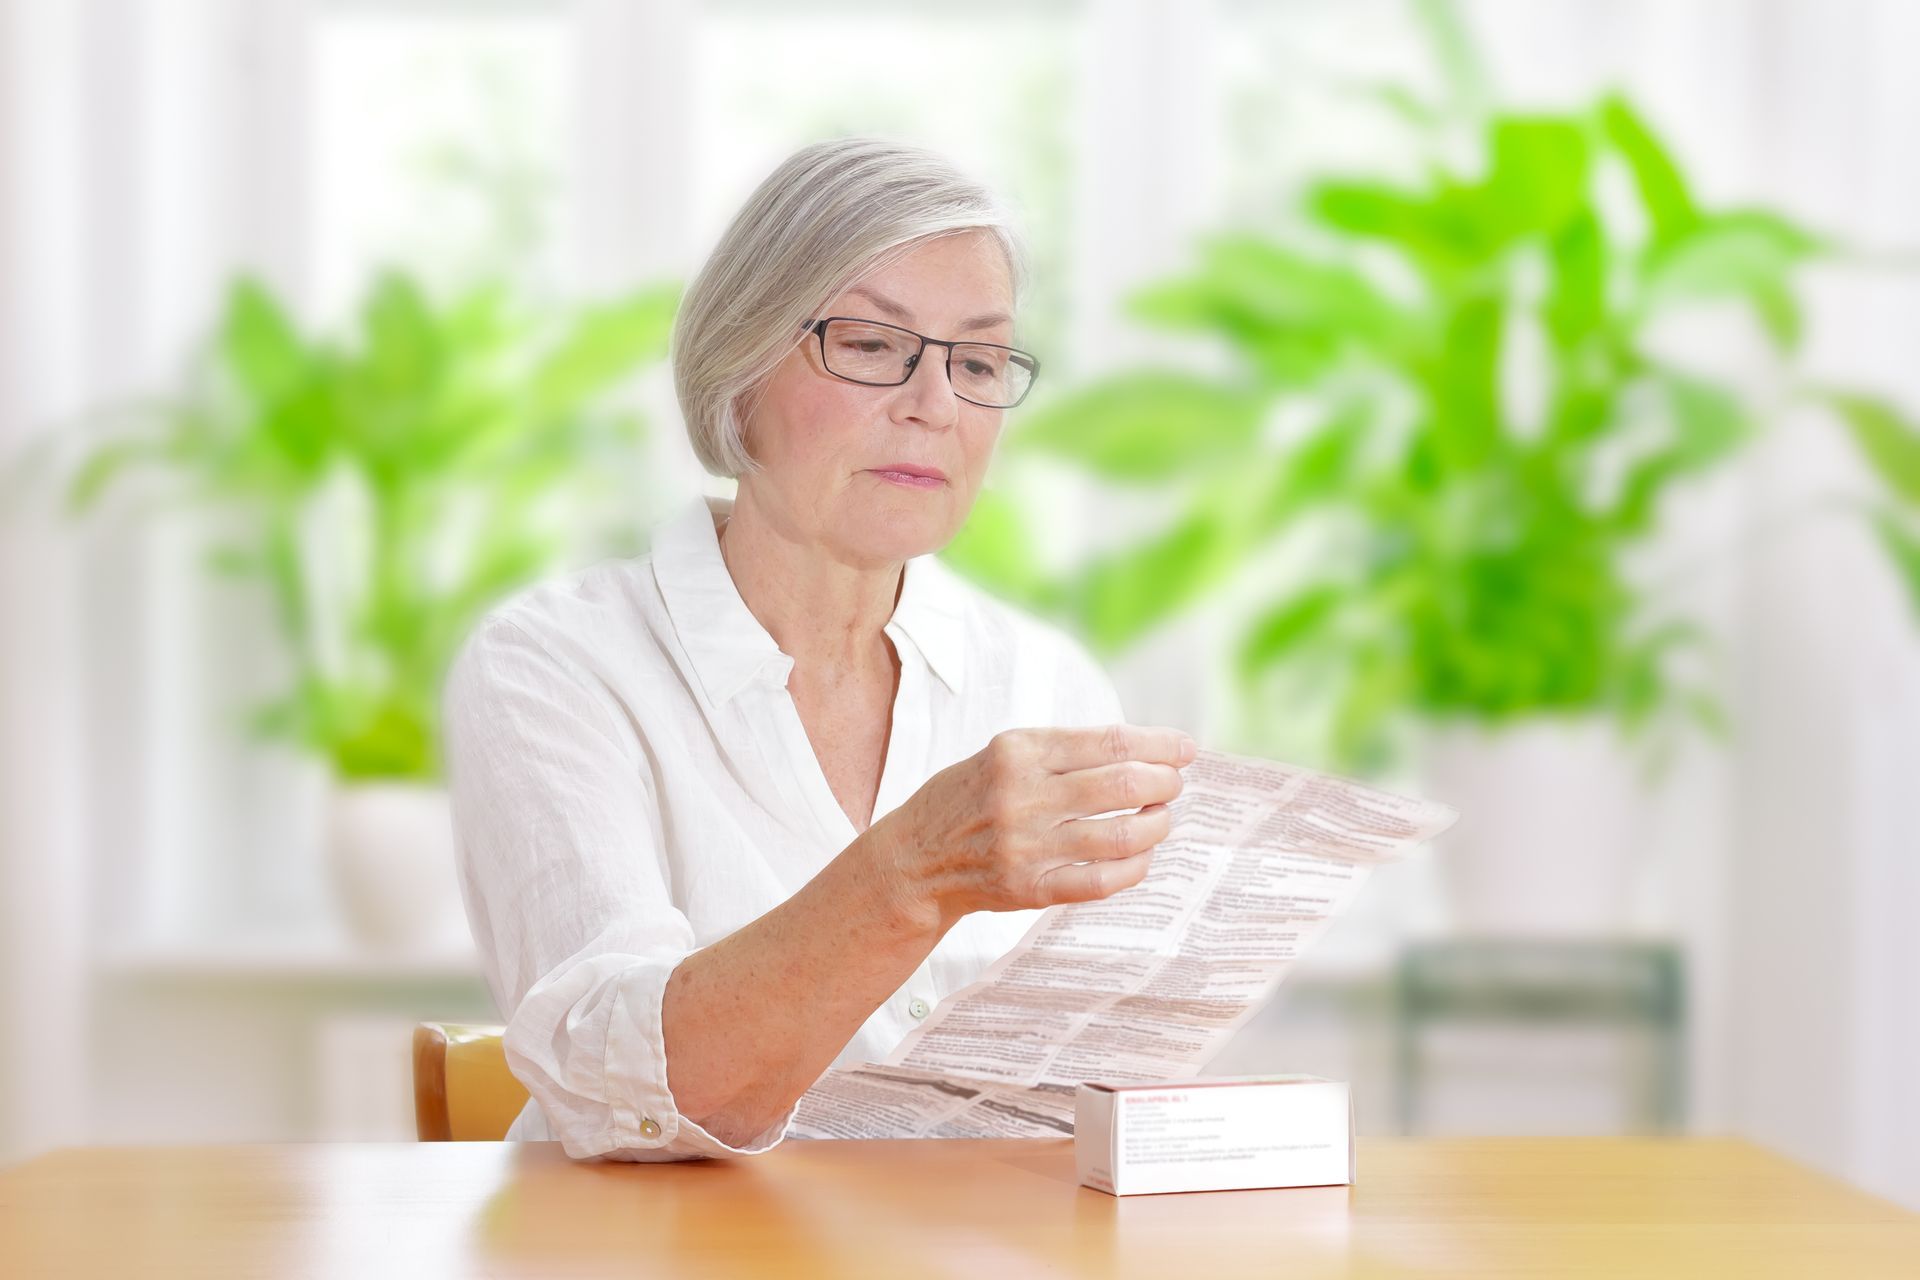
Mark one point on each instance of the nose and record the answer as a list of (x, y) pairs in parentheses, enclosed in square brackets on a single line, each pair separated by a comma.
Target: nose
[(926, 398)]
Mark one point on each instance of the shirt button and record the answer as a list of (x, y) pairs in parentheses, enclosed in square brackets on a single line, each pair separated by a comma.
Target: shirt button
[(648, 1129), (918, 1008)]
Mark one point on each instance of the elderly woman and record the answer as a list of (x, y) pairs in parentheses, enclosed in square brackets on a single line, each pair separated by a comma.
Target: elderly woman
[(752, 804)]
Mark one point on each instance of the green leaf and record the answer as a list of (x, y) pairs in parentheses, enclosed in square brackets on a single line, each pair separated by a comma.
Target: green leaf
[(1292, 315), (1709, 713), (286, 573), (1748, 254), (506, 558), (1643, 683), (1363, 208), (607, 344), (1146, 426), (1889, 442), (1282, 628), (1272, 283), (292, 440), (1710, 422), (1779, 313), (1377, 688), (1903, 547), (1536, 181), (1119, 597), (1322, 468), (260, 344), (1463, 71), (1730, 253), (1663, 189), (1437, 235), (99, 469), (392, 740), (1707, 424), (1575, 308), (994, 548), (403, 354), (1404, 103), (1465, 401), (1537, 178)]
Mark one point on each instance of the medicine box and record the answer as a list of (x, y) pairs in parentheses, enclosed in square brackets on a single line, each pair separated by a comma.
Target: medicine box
[(1213, 1134)]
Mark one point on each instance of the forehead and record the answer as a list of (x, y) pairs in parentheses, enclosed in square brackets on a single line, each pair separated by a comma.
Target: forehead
[(959, 283)]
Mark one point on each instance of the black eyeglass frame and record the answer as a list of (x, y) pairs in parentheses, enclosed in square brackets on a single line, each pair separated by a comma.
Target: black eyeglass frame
[(819, 329)]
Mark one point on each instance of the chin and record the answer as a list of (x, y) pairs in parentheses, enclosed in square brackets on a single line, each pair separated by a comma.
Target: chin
[(899, 530)]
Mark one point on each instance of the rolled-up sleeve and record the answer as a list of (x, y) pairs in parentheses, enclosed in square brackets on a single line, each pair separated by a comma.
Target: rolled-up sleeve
[(557, 835)]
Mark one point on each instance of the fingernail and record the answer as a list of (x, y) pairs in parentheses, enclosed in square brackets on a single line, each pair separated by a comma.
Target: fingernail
[(1188, 748)]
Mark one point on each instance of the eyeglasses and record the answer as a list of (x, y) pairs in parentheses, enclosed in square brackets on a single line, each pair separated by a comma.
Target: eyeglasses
[(885, 355)]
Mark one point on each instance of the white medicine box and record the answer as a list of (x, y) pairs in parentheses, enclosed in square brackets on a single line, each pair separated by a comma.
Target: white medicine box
[(1222, 1133)]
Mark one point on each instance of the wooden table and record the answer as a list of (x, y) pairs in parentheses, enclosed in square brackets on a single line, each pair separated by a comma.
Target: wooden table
[(999, 1210)]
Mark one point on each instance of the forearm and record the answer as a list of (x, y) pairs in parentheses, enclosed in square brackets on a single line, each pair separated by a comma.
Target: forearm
[(751, 1021)]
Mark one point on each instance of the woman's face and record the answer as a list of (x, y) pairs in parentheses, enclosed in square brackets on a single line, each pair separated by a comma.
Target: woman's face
[(826, 445)]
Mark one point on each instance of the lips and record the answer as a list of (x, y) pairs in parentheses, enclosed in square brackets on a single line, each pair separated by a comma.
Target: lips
[(908, 469)]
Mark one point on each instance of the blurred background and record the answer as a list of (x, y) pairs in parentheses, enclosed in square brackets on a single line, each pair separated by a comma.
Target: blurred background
[(1509, 401)]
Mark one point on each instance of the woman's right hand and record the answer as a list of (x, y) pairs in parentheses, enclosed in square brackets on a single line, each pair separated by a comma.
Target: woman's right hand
[(1011, 827)]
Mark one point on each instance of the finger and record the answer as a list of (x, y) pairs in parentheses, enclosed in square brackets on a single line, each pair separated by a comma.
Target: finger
[(1082, 882), (1110, 787), (1065, 750), (1120, 836)]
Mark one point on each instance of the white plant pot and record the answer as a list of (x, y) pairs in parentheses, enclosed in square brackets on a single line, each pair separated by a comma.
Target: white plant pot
[(390, 855), (1552, 829)]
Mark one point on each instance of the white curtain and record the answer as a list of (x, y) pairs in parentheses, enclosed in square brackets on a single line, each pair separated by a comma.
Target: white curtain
[(42, 880)]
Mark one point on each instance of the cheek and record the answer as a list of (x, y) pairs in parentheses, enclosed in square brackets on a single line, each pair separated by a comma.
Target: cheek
[(812, 429), (977, 438), (842, 416)]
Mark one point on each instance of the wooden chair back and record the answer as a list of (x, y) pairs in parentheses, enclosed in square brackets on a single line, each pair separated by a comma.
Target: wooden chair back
[(462, 1090)]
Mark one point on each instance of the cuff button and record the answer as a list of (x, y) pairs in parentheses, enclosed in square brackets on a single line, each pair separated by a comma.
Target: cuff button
[(648, 1129), (919, 1008)]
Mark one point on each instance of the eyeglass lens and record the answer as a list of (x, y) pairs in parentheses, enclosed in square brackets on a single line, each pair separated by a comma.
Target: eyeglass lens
[(879, 353)]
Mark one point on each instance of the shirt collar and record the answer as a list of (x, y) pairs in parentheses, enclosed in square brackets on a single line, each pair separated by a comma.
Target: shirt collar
[(726, 644)]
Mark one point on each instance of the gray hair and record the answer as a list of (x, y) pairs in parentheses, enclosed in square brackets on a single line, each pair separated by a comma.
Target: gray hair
[(830, 215)]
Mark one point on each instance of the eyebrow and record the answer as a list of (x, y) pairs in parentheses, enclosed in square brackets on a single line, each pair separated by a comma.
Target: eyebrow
[(899, 312)]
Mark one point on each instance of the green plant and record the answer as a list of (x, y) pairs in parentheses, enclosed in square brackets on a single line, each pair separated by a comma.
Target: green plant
[(1469, 555), (392, 485)]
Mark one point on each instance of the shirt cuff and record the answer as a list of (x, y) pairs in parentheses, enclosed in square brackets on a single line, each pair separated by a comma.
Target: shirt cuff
[(645, 1122)]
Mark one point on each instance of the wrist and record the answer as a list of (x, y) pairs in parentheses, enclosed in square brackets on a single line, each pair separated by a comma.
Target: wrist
[(902, 898)]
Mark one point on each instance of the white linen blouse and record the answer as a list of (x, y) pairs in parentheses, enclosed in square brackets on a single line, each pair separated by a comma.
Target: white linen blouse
[(631, 782)]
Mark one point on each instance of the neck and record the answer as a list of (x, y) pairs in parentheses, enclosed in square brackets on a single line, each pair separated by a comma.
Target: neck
[(824, 611)]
